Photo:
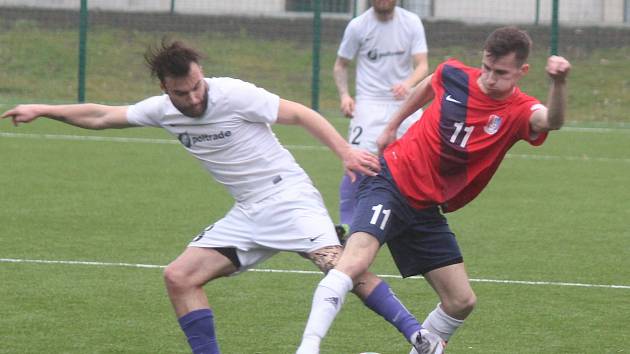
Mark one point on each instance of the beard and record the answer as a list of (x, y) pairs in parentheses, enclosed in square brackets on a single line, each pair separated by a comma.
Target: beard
[(383, 9), (194, 111), (383, 12)]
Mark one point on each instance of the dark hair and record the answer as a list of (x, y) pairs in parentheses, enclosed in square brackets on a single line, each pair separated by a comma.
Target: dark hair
[(170, 59), (506, 40)]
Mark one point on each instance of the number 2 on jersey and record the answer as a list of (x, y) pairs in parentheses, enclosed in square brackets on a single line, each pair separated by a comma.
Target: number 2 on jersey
[(378, 209), (356, 131)]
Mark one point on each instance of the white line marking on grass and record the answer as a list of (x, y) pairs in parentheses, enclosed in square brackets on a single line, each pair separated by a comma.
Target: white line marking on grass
[(567, 158), (290, 147), (125, 140), (525, 282), (474, 280), (104, 264), (595, 130), (88, 138), (263, 270)]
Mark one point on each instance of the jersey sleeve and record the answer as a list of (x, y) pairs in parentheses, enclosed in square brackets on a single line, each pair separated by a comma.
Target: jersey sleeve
[(146, 112), (350, 42), (419, 40), (528, 108), (252, 103)]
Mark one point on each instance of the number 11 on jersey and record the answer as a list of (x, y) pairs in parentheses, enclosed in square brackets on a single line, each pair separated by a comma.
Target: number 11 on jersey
[(378, 210), (467, 130)]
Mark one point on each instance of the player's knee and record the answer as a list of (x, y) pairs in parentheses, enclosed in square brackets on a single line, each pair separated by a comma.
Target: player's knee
[(358, 254), (175, 278), (354, 267), (460, 306), (353, 263), (468, 304)]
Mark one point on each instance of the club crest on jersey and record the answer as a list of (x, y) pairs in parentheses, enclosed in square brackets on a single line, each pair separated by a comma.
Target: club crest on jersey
[(494, 122)]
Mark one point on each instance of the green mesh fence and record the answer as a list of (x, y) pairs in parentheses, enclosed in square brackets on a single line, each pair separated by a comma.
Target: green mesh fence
[(270, 43)]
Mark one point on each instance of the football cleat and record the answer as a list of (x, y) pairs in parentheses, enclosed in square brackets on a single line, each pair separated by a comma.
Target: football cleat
[(342, 232), (425, 342)]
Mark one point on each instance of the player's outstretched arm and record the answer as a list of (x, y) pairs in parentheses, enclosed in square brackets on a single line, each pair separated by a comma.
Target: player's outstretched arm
[(354, 160), (87, 115), (552, 118)]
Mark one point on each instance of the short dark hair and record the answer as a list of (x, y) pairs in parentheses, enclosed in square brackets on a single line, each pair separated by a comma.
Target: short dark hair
[(170, 58), (506, 40)]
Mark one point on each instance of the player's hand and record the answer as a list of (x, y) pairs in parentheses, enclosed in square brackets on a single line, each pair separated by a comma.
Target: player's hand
[(558, 68), (22, 114), (401, 90), (347, 106), (360, 161), (387, 137)]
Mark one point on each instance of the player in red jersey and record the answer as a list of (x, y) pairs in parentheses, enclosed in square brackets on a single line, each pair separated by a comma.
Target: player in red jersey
[(442, 163)]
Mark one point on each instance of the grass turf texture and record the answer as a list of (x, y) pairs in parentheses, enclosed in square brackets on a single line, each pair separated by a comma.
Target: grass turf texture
[(555, 213)]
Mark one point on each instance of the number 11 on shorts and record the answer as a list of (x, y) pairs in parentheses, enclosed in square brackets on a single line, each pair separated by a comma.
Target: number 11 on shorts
[(378, 209)]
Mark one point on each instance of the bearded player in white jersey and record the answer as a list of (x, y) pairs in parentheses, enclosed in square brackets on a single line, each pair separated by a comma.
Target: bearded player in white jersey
[(225, 124), (390, 48)]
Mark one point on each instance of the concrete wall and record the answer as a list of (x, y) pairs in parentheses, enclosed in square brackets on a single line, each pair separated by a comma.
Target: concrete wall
[(591, 12), (573, 12), (111, 5), (251, 7)]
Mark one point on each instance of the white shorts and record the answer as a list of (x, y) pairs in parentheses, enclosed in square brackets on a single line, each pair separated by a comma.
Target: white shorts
[(294, 220), (371, 118)]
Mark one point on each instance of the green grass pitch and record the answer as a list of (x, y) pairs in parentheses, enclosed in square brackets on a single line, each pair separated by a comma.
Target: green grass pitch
[(556, 214)]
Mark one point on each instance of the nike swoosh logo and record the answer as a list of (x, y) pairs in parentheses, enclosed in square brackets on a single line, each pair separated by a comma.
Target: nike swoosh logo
[(451, 99), (312, 239)]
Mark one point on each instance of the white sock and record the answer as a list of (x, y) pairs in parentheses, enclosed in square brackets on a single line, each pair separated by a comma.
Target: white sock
[(327, 300), (440, 323)]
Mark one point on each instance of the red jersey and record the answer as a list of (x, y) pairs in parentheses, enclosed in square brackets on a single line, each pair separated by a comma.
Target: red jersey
[(450, 154)]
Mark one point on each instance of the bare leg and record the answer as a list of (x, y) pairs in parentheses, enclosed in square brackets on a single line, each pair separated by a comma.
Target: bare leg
[(351, 274), (327, 257), (457, 300), (185, 278)]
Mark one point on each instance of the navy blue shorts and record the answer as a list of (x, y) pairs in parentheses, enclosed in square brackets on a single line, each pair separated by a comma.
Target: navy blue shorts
[(419, 240)]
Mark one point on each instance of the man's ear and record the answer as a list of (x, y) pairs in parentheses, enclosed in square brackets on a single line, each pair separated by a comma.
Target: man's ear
[(162, 87), (524, 69)]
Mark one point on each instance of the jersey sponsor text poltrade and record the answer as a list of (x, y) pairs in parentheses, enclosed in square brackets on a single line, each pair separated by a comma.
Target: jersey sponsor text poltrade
[(188, 140)]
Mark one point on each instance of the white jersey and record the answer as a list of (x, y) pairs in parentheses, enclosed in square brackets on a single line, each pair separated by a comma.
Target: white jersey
[(384, 50), (371, 118), (232, 139)]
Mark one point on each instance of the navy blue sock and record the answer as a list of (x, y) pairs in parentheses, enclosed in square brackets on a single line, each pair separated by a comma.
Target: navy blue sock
[(383, 301), (198, 326)]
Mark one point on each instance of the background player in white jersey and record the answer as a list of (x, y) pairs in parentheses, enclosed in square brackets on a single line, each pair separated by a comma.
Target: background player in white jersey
[(225, 124), (391, 50)]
